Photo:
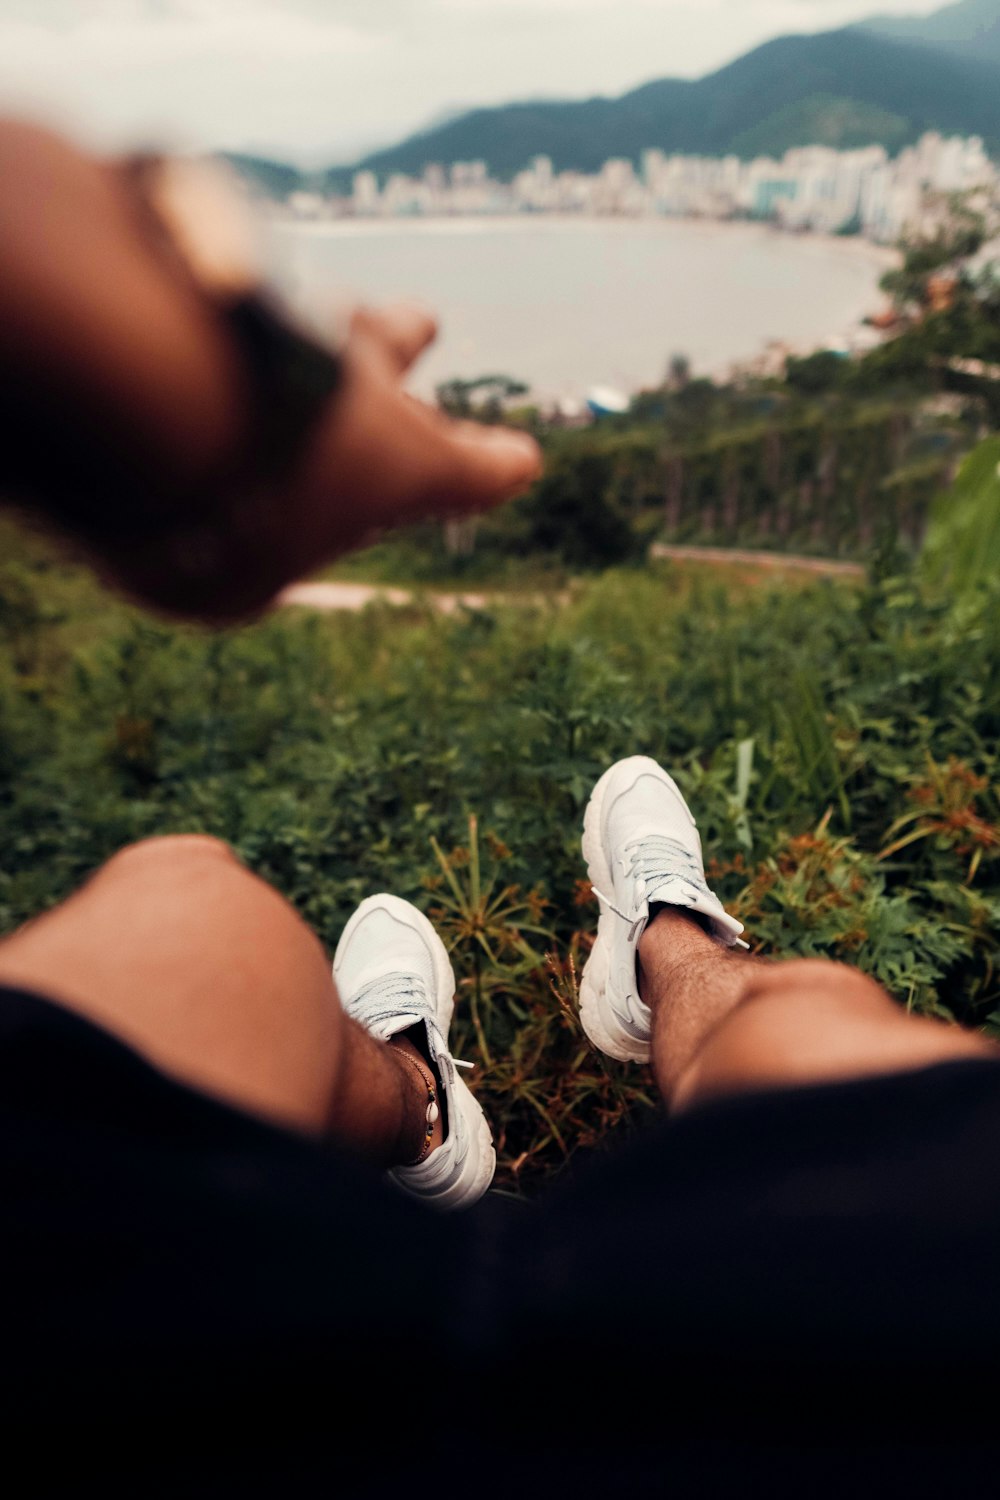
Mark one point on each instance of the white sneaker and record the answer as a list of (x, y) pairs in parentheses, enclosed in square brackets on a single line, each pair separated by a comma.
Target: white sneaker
[(392, 972), (641, 845)]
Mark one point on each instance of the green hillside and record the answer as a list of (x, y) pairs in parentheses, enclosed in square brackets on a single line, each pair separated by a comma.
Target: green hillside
[(844, 88), (884, 82), (824, 120)]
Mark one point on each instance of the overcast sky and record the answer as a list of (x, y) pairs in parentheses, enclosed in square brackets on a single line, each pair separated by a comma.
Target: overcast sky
[(321, 80)]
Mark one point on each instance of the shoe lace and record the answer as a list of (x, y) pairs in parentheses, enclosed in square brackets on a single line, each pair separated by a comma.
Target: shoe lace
[(656, 859), (390, 995), (659, 859)]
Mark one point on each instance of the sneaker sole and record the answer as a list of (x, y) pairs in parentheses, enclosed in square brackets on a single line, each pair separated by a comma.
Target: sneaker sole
[(595, 1013), (481, 1159)]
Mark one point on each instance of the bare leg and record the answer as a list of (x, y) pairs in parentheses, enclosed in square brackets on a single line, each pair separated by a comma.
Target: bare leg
[(724, 1023), (178, 950)]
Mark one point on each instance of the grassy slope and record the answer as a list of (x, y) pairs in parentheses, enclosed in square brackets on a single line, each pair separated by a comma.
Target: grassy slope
[(964, 541), (335, 752)]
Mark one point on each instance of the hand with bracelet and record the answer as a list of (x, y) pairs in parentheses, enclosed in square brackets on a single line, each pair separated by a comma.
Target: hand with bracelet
[(158, 404)]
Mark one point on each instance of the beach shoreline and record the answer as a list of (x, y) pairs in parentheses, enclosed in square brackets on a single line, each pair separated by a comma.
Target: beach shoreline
[(475, 224), (569, 302)]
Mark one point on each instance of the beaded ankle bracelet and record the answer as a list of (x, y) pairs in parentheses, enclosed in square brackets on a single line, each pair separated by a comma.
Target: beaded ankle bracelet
[(433, 1113)]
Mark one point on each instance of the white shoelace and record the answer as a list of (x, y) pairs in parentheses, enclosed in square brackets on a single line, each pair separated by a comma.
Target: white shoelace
[(392, 995), (656, 860)]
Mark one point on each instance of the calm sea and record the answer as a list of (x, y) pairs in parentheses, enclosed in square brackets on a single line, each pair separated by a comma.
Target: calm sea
[(565, 304)]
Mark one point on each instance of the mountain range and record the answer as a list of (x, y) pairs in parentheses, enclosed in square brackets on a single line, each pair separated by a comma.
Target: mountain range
[(885, 81)]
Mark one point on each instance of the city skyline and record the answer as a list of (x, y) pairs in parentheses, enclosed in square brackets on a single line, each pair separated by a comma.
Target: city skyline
[(814, 188)]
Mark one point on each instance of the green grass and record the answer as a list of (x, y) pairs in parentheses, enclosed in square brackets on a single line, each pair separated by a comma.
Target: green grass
[(839, 743), (427, 565), (963, 546)]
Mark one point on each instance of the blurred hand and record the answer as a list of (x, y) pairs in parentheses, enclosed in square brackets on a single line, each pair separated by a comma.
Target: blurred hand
[(398, 458), (115, 364), (385, 459), (379, 459)]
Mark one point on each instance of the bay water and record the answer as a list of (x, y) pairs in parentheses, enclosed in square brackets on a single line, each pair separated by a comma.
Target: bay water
[(565, 304)]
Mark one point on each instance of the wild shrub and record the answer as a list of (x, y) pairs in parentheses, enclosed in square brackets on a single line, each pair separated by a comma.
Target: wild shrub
[(838, 743)]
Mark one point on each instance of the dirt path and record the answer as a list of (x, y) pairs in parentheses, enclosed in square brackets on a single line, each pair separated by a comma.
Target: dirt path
[(771, 560), (354, 596)]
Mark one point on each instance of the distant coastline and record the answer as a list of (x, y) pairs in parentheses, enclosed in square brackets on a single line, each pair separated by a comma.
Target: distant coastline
[(475, 224), (567, 302), (811, 189)]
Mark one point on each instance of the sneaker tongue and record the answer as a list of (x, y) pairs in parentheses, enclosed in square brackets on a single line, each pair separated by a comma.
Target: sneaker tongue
[(389, 1002), (674, 890), (398, 1023), (437, 1047), (683, 894)]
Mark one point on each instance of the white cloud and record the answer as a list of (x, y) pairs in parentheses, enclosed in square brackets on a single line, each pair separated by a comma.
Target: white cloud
[(315, 76)]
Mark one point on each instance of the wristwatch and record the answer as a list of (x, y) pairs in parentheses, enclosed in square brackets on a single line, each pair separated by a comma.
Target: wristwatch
[(199, 219)]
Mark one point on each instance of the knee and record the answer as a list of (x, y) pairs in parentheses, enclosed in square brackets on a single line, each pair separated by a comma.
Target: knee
[(813, 985), (169, 854), (787, 1004), (798, 1021)]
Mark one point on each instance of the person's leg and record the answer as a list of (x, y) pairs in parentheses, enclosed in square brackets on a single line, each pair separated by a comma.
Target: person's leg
[(185, 955), (723, 1023), (665, 981), (395, 979)]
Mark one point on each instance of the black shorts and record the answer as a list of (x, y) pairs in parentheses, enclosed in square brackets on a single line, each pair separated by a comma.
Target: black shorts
[(800, 1286)]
